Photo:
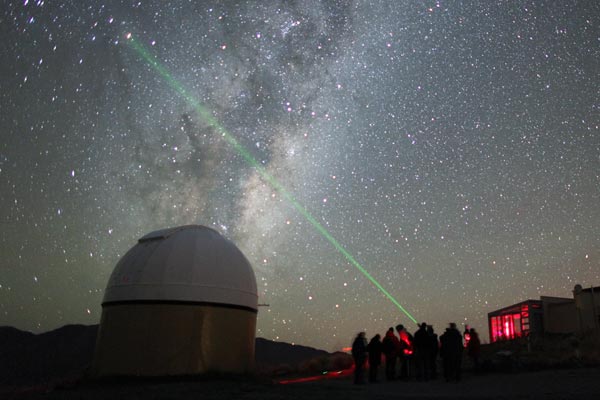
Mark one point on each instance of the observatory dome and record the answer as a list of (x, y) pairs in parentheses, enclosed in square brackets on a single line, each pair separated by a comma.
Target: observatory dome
[(187, 264)]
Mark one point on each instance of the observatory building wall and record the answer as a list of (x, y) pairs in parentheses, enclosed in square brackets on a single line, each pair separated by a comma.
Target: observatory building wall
[(174, 339), (182, 301)]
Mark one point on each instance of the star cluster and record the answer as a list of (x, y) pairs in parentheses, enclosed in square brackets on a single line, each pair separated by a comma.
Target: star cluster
[(452, 147)]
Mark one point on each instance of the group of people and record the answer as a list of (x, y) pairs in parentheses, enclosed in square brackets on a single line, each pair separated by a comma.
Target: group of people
[(407, 355)]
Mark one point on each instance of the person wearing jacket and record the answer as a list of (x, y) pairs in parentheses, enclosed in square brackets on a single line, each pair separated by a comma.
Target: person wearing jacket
[(474, 348), (389, 347), (451, 352), (374, 348), (359, 354)]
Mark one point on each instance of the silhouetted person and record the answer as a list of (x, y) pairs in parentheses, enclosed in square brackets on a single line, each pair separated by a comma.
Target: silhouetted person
[(451, 352), (359, 354), (474, 348), (405, 351), (374, 348), (434, 348), (421, 346), (389, 346)]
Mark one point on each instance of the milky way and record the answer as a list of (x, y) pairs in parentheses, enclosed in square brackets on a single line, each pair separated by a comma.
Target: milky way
[(453, 148)]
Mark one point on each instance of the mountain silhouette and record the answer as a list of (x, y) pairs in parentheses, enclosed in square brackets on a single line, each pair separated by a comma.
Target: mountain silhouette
[(66, 353)]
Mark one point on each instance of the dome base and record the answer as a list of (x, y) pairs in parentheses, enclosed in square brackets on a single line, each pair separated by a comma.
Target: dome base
[(150, 339)]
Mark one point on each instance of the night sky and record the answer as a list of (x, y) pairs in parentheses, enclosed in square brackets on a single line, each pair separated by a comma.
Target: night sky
[(452, 147)]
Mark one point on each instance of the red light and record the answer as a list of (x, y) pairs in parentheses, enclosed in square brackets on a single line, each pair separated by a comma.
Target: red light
[(323, 376), (495, 333), (508, 326)]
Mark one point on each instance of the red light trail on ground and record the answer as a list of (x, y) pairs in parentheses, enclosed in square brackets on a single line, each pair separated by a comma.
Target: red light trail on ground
[(324, 376)]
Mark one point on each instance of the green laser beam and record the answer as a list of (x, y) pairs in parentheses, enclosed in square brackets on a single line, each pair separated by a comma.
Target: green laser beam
[(208, 118)]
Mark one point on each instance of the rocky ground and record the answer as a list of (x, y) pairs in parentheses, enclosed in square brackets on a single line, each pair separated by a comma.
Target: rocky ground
[(581, 383)]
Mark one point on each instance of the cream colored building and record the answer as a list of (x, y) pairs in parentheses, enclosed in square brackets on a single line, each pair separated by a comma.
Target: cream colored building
[(587, 304), (181, 301)]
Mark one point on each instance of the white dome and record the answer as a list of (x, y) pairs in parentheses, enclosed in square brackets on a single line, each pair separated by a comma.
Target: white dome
[(190, 263)]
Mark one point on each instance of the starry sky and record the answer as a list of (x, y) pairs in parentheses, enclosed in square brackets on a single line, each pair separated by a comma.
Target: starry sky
[(452, 147)]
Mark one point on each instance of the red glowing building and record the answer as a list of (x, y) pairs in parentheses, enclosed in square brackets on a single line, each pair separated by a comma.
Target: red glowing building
[(552, 315), (515, 321)]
